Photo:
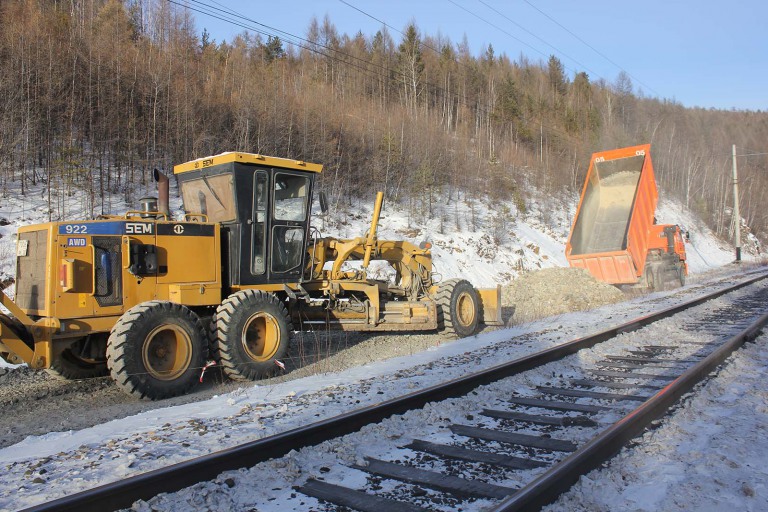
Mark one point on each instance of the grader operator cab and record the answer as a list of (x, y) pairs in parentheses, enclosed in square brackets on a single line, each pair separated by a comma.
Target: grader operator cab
[(149, 299)]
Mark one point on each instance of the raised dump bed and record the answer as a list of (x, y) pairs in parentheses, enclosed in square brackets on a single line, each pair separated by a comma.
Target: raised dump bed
[(613, 234)]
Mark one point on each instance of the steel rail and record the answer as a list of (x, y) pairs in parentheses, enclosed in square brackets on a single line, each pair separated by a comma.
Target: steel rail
[(559, 479), (144, 486)]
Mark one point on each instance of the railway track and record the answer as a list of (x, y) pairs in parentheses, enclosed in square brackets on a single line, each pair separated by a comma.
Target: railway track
[(509, 438)]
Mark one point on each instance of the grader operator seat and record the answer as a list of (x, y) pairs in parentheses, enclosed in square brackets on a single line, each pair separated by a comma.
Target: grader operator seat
[(263, 206)]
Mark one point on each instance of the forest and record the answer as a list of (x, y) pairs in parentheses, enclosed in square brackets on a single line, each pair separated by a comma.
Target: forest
[(97, 93)]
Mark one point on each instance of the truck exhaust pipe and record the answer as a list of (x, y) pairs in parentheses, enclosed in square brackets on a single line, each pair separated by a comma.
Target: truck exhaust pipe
[(163, 205)]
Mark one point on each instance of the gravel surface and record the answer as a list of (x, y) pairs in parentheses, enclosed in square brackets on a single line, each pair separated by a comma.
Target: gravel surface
[(34, 403)]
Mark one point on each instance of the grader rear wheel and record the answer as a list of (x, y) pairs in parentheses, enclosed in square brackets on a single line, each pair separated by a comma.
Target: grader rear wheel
[(458, 307), (252, 332), (156, 350)]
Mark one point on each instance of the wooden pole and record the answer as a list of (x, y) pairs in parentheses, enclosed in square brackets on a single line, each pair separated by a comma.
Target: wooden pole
[(736, 215)]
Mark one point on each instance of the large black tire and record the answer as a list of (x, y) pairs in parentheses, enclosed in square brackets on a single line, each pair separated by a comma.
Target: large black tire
[(681, 273), (73, 364), (156, 350), (659, 279), (458, 307), (252, 331)]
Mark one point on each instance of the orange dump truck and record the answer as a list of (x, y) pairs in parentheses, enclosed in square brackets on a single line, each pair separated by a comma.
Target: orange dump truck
[(614, 235)]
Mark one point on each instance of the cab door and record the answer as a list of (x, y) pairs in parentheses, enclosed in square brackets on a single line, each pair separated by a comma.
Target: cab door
[(290, 193)]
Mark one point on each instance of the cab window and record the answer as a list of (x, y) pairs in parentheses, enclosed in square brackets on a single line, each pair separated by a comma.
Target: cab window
[(213, 196), (290, 197)]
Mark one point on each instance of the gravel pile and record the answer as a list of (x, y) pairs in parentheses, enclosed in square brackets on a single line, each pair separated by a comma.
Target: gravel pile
[(555, 291)]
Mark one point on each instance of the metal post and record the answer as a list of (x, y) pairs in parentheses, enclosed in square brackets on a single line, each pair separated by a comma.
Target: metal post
[(736, 215)]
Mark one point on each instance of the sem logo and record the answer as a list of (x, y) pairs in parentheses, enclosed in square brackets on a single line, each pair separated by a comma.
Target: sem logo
[(76, 242), (138, 228), (178, 229)]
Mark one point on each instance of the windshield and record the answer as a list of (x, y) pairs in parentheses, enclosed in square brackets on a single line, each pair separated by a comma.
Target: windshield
[(213, 196)]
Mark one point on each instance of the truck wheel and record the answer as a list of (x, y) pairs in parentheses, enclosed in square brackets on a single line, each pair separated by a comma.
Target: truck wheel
[(213, 345), (458, 307), (252, 331), (658, 279), (156, 350), (73, 364)]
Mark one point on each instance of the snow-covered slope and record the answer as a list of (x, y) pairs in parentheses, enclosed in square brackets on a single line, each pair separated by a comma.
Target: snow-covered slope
[(487, 243), (469, 244), (703, 250)]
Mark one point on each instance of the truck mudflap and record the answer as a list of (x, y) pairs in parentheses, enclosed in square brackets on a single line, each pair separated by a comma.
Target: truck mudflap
[(490, 300)]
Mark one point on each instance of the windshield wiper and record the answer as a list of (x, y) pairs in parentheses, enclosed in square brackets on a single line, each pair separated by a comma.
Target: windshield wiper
[(215, 195)]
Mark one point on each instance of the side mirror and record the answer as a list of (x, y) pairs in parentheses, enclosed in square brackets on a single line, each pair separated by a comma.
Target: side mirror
[(323, 202)]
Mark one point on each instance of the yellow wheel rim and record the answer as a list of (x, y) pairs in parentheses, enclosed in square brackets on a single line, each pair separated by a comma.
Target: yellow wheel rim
[(167, 352), (465, 309), (261, 336)]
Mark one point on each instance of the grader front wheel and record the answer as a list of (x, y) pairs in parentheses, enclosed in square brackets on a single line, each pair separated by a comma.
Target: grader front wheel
[(156, 350), (76, 362), (252, 331), (458, 307)]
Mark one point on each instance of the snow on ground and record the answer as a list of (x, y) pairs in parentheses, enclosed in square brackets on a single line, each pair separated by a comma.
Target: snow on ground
[(709, 456), (44, 467), (529, 243), (468, 238)]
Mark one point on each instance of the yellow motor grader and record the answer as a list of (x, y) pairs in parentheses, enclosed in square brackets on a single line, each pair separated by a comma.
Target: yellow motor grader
[(148, 299)]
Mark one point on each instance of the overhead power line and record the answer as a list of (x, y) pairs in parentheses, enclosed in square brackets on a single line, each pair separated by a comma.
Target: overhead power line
[(537, 37), (553, 20), (233, 17), (498, 28)]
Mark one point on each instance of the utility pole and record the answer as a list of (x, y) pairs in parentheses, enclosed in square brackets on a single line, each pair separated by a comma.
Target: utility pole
[(736, 215)]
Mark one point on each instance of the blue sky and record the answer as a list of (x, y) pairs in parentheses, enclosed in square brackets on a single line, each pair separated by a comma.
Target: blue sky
[(700, 53)]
